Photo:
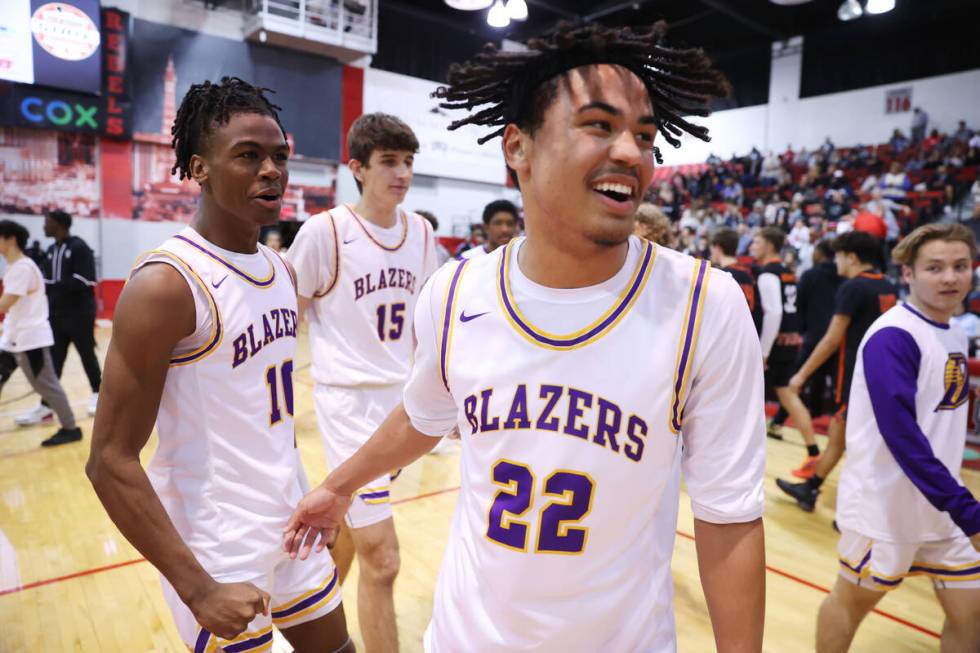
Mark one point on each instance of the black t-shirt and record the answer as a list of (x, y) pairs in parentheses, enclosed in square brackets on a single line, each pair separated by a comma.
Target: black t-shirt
[(746, 281), (863, 298)]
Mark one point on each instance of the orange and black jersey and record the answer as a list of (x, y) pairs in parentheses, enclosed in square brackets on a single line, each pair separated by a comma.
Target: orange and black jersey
[(745, 279), (863, 299), (790, 323)]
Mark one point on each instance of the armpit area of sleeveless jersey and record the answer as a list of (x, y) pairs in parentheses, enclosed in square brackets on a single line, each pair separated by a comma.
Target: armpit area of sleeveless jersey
[(585, 516), (361, 323), (226, 468)]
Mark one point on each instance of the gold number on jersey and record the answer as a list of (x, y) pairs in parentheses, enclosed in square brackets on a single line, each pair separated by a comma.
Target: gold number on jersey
[(555, 534), (271, 380)]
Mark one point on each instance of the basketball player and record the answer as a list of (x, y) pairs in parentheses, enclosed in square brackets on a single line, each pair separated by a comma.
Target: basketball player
[(901, 505), (203, 341), (585, 369), (501, 219), (723, 248), (360, 268), (780, 333), (860, 300)]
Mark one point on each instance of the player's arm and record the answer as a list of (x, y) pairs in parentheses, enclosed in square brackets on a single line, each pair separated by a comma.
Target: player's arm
[(772, 310), (155, 311), (7, 301), (724, 467), (410, 431), (891, 369), (829, 343)]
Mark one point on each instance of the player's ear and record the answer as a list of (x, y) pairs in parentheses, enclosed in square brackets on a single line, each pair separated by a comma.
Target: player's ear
[(199, 169), (516, 145), (355, 168)]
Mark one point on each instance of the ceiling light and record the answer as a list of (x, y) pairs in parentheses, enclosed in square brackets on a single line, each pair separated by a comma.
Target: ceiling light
[(517, 9), (469, 5), (880, 6), (849, 10), (497, 16)]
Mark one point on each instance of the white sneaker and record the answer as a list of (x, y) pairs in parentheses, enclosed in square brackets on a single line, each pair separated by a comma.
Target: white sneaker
[(93, 401), (40, 414)]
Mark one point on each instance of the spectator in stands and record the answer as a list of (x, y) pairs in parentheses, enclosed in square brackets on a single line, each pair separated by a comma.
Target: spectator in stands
[(731, 191), (871, 223), (745, 236), (932, 140), (442, 254), (835, 205), (799, 235), (898, 142), (920, 120), (895, 183), (27, 333), (827, 148), (478, 235), (962, 133), (653, 225), (969, 323), (273, 240)]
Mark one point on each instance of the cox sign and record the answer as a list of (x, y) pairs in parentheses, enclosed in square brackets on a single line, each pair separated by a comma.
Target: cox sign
[(59, 114)]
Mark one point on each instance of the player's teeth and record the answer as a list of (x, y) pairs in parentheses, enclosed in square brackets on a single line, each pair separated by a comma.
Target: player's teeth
[(614, 188)]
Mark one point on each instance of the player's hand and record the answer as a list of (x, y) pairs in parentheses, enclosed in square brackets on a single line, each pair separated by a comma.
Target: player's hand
[(226, 609), (796, 383), (314, 524), (975, 541)]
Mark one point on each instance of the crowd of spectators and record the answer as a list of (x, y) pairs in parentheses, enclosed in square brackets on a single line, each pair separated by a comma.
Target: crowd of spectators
[(886, 189)]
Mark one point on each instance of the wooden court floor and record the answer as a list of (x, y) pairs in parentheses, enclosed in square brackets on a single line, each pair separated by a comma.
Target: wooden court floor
[(70, 582)]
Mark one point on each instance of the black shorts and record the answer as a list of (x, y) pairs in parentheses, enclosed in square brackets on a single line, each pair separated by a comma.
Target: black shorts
[(781, 365)]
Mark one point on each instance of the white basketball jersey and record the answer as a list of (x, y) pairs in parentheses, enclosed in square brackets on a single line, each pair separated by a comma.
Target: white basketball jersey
[(876, 498), (365, 282), (226, 468), (573, 444)]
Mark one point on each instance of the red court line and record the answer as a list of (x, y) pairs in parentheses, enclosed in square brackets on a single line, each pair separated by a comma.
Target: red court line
[(778, 572), (78, 574), (803, 581)]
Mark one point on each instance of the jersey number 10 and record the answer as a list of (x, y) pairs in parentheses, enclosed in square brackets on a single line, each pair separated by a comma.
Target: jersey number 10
[(272, 381), (573, 492)]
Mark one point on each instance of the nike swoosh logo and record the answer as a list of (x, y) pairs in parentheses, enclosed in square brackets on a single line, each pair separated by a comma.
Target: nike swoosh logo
[(463, 317), (215, 285), (348, 242)]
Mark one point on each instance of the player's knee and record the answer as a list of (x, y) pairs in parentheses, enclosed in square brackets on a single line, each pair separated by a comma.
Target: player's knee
[(381, 564)]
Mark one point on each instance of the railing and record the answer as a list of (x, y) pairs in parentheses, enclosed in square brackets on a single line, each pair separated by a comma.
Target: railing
[(350, 24)]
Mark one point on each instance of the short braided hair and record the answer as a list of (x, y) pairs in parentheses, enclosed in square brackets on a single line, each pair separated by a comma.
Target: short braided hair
[(208, 105), (517, 87)]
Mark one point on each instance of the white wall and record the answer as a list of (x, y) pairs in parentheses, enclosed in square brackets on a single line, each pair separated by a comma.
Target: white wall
[(849, 118), (456, 203), (116, 243)]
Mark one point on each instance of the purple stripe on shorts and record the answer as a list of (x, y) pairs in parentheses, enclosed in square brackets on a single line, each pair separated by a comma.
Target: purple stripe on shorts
[(248, 644), (308, 601)]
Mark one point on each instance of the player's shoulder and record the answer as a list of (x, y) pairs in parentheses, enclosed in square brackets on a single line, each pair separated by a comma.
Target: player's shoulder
[(689, 277)]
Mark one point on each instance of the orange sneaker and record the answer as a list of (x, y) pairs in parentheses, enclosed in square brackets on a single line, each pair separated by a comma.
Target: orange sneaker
[(807, 468)]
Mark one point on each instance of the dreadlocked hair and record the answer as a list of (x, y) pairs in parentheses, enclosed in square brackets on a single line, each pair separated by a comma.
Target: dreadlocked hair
[(499, 88), (208, 105)]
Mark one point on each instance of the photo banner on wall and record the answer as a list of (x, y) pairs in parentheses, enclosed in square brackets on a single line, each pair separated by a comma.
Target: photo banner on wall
[(442, 153), (106, 114), (167, 60)]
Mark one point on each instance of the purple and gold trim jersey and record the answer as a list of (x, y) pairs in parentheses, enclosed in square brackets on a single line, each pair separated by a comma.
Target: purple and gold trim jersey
[(364, 282), (226, 468), (578, 410), (906, 431)]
